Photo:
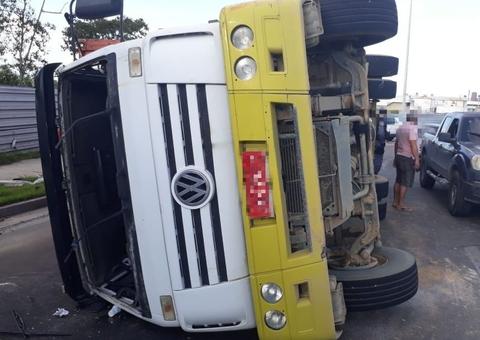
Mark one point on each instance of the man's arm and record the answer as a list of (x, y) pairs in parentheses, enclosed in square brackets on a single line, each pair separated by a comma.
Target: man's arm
[(414, 148), (395, 153)]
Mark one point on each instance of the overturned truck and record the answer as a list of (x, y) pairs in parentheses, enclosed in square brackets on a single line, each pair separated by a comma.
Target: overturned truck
[(220, 177)]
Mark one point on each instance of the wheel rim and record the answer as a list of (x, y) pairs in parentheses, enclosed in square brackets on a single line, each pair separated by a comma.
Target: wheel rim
[(453, 194)]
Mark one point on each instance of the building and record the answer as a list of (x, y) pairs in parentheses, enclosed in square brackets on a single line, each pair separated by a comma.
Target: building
[(433, 104), (473, 106), (395, 107)]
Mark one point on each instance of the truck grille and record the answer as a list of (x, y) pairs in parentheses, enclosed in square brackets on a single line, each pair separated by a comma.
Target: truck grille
[(292, 177), (184, 107)]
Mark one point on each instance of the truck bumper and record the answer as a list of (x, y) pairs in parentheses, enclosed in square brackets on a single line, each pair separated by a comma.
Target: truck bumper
[(222, 307)]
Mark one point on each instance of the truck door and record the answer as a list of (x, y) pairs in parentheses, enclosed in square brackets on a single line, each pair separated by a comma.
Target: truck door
[(435, 146), (445, 151), (53, 176)]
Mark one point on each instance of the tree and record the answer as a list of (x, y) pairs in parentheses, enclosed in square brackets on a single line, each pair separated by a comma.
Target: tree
[(25, 38), (5, 10), (106, 29), (8, 77)]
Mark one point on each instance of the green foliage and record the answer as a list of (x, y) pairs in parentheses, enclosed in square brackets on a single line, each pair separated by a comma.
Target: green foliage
[(17, 156), (23, 38), (9, 77), (15, 194), (106, 29), (6, 7)]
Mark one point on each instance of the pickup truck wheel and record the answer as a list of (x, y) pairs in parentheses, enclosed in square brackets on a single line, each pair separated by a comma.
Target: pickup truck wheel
[(362, 22), (457, 206), (393, 281), (426, 181)]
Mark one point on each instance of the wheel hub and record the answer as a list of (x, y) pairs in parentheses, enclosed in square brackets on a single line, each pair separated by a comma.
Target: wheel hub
[(375, 260)]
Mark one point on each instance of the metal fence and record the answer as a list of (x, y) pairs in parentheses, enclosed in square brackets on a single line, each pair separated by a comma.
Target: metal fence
[(18, 122)]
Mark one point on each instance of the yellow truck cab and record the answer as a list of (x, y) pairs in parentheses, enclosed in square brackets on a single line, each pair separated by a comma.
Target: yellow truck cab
[(219, 177)]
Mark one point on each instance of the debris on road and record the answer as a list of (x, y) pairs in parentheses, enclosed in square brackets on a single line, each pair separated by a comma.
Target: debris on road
[(114, 311), (61, 312)]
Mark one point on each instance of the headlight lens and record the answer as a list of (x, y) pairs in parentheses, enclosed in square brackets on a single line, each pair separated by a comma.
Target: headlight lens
[(271, 292), (245, 68), (275, 319), (476, 162), (242, 37)]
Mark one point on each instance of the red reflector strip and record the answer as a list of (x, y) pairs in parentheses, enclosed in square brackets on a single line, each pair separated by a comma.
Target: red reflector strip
[(256, 184)]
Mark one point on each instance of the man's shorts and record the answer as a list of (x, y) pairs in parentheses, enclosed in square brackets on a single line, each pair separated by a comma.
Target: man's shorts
[(405, 170)]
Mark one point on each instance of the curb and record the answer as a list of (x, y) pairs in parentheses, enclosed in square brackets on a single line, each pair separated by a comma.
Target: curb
[(21, 207)]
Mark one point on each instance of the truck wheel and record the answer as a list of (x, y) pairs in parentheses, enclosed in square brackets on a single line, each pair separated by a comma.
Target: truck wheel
[(457, 206), (362, 22), (381, 186), (382, 89), (390, 283), (426, 181), (380, 66), (382, 209)]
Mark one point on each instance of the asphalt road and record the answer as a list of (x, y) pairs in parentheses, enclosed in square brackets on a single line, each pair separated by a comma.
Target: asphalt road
[(447, 305), (30, 285)]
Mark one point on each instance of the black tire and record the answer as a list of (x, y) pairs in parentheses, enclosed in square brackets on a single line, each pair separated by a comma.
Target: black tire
[(426, 181), (362, 22), (386, 285), (381, 186), (382, 209), (457, 206), (380, 66), (382, 89)]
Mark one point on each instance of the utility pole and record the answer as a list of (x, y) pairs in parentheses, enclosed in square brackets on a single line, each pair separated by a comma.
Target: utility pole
[(404, 106)]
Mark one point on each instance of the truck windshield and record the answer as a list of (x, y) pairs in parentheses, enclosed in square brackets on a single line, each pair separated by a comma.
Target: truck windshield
[(471, 130)]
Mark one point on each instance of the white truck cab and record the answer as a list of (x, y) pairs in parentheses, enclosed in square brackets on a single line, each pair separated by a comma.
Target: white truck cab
[(151, 239)]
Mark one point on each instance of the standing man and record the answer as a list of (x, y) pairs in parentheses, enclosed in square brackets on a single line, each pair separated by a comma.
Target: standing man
[(407, 161)]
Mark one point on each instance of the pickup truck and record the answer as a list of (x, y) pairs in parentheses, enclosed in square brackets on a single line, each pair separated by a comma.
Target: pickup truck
[(453, 154), (393, 123)]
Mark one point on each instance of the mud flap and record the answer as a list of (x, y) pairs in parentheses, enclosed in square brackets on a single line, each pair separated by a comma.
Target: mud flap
[(53, 176)]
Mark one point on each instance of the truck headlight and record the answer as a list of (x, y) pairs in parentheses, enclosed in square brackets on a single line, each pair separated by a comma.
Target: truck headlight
[(245, 68), (242, 37), (275, 319), (476, 162), (271, 292)]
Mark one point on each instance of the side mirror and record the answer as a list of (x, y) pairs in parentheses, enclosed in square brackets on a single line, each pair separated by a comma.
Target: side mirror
[(445, 137), (96, 9)]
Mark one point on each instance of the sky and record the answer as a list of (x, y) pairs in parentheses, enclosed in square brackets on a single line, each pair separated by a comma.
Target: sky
[(444, 49)]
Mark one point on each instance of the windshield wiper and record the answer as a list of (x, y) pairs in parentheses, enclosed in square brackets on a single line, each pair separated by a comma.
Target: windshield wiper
[(474, 133)]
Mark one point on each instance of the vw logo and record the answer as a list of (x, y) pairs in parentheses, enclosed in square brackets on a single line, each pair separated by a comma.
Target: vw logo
[(192, 187)]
